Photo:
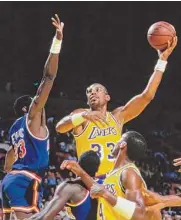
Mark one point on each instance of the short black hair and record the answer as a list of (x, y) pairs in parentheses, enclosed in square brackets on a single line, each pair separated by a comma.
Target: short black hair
[(136, 145), (22, 101), (90, 162)]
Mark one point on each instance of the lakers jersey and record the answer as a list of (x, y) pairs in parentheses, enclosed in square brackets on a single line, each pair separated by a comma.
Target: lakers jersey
[(113, 184), (100, 139)]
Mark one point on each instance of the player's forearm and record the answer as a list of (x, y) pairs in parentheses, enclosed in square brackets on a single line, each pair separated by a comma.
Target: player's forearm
[(110, 198), (87, 180), (51, 66), (64, 125), (171, 201), (74, 120), (130, 210), (49, 74), (155, 79), (153, 84)]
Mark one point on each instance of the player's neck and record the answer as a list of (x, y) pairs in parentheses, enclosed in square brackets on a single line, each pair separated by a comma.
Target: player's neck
[(102, 109), (121, 161)]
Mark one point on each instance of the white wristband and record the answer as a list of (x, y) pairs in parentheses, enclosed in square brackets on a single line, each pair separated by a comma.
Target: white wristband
[(56, 46), (125, 208), (161, 65), (77, 119)]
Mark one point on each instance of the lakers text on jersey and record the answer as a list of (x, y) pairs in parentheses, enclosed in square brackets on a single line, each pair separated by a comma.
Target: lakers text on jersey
[(100, 139)]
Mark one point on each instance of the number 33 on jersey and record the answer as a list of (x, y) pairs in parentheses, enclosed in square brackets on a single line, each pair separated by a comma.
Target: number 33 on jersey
[(100, 139)]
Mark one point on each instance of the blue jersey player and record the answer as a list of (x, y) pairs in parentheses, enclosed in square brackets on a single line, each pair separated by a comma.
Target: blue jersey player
[(28, 159), (73, 194)]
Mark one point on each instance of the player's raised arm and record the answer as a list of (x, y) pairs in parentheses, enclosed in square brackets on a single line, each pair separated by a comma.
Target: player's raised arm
[(50, 70), (138, 103)]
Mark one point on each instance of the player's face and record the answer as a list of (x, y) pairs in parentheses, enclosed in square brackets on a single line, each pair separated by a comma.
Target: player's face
[(97, 96)]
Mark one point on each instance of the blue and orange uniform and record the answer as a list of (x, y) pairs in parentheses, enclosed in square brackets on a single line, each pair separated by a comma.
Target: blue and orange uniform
[(22, 187), (83, 209)]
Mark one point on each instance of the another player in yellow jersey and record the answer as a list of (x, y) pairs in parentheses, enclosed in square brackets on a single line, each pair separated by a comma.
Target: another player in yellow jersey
[(99, 130), (124, 195)]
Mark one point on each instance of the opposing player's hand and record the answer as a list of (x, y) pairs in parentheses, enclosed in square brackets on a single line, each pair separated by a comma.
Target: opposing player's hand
[(97, 191), (177, 162), (95, 116), (72, 166), (59, 27), (163, 55)]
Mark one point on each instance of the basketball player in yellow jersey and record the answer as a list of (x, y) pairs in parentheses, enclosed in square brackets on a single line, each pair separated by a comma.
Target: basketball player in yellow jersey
[(99, 130), (124, 195)]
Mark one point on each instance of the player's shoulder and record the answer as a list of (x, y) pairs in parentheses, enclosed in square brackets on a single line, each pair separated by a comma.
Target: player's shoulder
[(130, 177), (15, 123), (79, 110)]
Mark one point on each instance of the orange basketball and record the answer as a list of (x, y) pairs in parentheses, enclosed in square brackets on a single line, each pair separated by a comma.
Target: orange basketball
[(159, 34)]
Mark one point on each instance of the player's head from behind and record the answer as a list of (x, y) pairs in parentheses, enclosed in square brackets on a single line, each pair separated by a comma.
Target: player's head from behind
[(97, 96), (21, 105), (132, 146), (90, 162)]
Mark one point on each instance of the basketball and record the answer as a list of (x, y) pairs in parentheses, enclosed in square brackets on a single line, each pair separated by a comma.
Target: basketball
[(159, 34)]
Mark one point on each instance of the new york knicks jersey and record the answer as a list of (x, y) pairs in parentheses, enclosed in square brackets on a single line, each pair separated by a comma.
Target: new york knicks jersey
[(100, 139), (32, 153), (113, 184), (81, 210)]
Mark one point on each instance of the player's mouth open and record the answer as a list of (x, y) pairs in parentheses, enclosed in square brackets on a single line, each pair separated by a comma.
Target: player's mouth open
[(93, 99)]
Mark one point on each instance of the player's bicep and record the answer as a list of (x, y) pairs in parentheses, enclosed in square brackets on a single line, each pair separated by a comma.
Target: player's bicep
[(41, 96), (134, 107), (132, 183)]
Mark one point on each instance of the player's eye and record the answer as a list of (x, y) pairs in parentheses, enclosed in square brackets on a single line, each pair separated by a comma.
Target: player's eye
[(98, 89), (88, 91)]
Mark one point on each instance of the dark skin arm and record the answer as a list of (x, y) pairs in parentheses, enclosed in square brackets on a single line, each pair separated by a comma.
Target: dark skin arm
[(133, 192), (65, 124), (63, 194), (156, 200), (9, 160), (77, 170), (138, 103), (36, 109)]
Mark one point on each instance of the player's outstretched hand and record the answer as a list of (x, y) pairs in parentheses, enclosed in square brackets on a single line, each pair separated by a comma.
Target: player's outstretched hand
[(72, 166), (95, 116), (163, 55), (97, 190), (59, 27), (177, 162)]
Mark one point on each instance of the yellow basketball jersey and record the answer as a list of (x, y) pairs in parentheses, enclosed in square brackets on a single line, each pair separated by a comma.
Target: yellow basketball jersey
[(100, 139), (113, 184)]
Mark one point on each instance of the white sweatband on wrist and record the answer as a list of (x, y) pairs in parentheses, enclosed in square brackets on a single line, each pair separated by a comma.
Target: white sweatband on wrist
[(77, 119), (56, 46), (161, 65), (125, 208)]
